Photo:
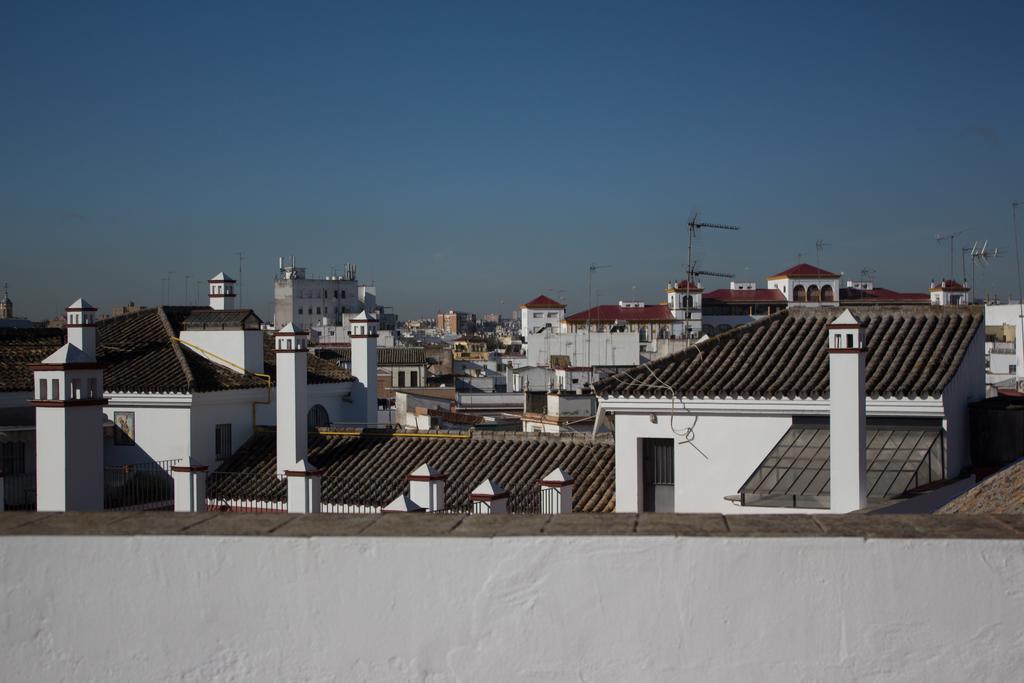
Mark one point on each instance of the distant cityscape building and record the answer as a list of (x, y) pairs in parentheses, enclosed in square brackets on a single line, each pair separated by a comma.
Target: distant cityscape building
[(6, 306), (456, 322), (324, 305)]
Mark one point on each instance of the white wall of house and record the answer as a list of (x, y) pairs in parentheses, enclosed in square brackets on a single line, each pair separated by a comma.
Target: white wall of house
[(222, 407), (163, 427), (966, 387), (598, 607), (605, 348), (710, 463), (243, 348), (736, 435)]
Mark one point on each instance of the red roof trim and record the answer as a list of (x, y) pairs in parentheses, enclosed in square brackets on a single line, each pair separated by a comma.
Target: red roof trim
[(804, 270), (609, 313), (542, 302)]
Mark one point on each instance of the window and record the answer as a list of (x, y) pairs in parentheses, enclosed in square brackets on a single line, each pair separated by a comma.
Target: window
[(827, 293), (799, 293), (55, 389), (300, 310), (222, 439), (12, 460), (343, 294), (335, 294), (813, 293), (76, 389), (849, 341), (414, 378), (92, 388), (401, 378), (318, 310), (659, 478), (42, 390), (1013, 369), (317, 417)]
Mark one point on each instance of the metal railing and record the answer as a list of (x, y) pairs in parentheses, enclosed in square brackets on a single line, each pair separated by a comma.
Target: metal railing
[(246, 492), (139, 486), (19, 491), (347, 494)]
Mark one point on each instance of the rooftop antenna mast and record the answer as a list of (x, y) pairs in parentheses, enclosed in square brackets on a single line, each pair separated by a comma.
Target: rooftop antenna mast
[(952, 240), (981, 254), (693, 225), (238, 289), (590, 302), (867, 274), (819, 246)]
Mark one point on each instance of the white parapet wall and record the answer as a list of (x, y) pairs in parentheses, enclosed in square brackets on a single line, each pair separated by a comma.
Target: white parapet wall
[(316, 605)]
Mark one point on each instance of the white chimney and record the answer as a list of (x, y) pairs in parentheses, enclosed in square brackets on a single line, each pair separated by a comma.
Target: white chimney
[(489, 498), (426, 487), (303, 488), (68, 396), (290, 355), (222, 292), (80, 318), (556, 493), (847, 422), (363, 333)]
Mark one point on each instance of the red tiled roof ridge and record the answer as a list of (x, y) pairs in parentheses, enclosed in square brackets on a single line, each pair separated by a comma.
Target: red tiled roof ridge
[(804, 270), (543, 301), (613, 312)]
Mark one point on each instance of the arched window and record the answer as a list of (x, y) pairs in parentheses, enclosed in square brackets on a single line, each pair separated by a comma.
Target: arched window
[(827, 294), (813, 293), (799, 294), (318, 417), (687, 301)]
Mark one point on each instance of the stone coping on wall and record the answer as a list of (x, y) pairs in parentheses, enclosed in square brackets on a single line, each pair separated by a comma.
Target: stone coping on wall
[(281, 525)]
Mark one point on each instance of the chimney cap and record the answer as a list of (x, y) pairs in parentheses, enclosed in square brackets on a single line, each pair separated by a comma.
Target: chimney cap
[(221, 277), (846, 319), (426, 473), (80, 305), (557, 477), (488, 490), (69, 354), (290, 330), (363, 317), (402, 504)]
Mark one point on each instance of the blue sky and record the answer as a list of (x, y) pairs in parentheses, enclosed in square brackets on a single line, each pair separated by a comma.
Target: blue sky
[(473, 155)]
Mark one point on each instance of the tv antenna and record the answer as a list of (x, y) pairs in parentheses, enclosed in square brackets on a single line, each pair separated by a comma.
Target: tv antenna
[(590, 300), (951, 237), (238, 289), (819, 246), (867, 274), (981, 254), (693, 225)]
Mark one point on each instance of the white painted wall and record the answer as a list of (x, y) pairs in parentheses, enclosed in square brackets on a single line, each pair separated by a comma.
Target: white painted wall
[(723, 452), (69, 460), (597, 608), (966, 387), (163, 428), (243, 348), (606, 348)]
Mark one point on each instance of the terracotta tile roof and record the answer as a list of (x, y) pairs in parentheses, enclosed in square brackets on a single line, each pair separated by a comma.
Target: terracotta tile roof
[(804, 270), (141, 356), (318, 370), (542, 302), (911, 352), (881, 294), (609, 313), (745, 296), (358, 466), (386, 356), (20, 346), (686, 285), (949, 286), (1002, 493)]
